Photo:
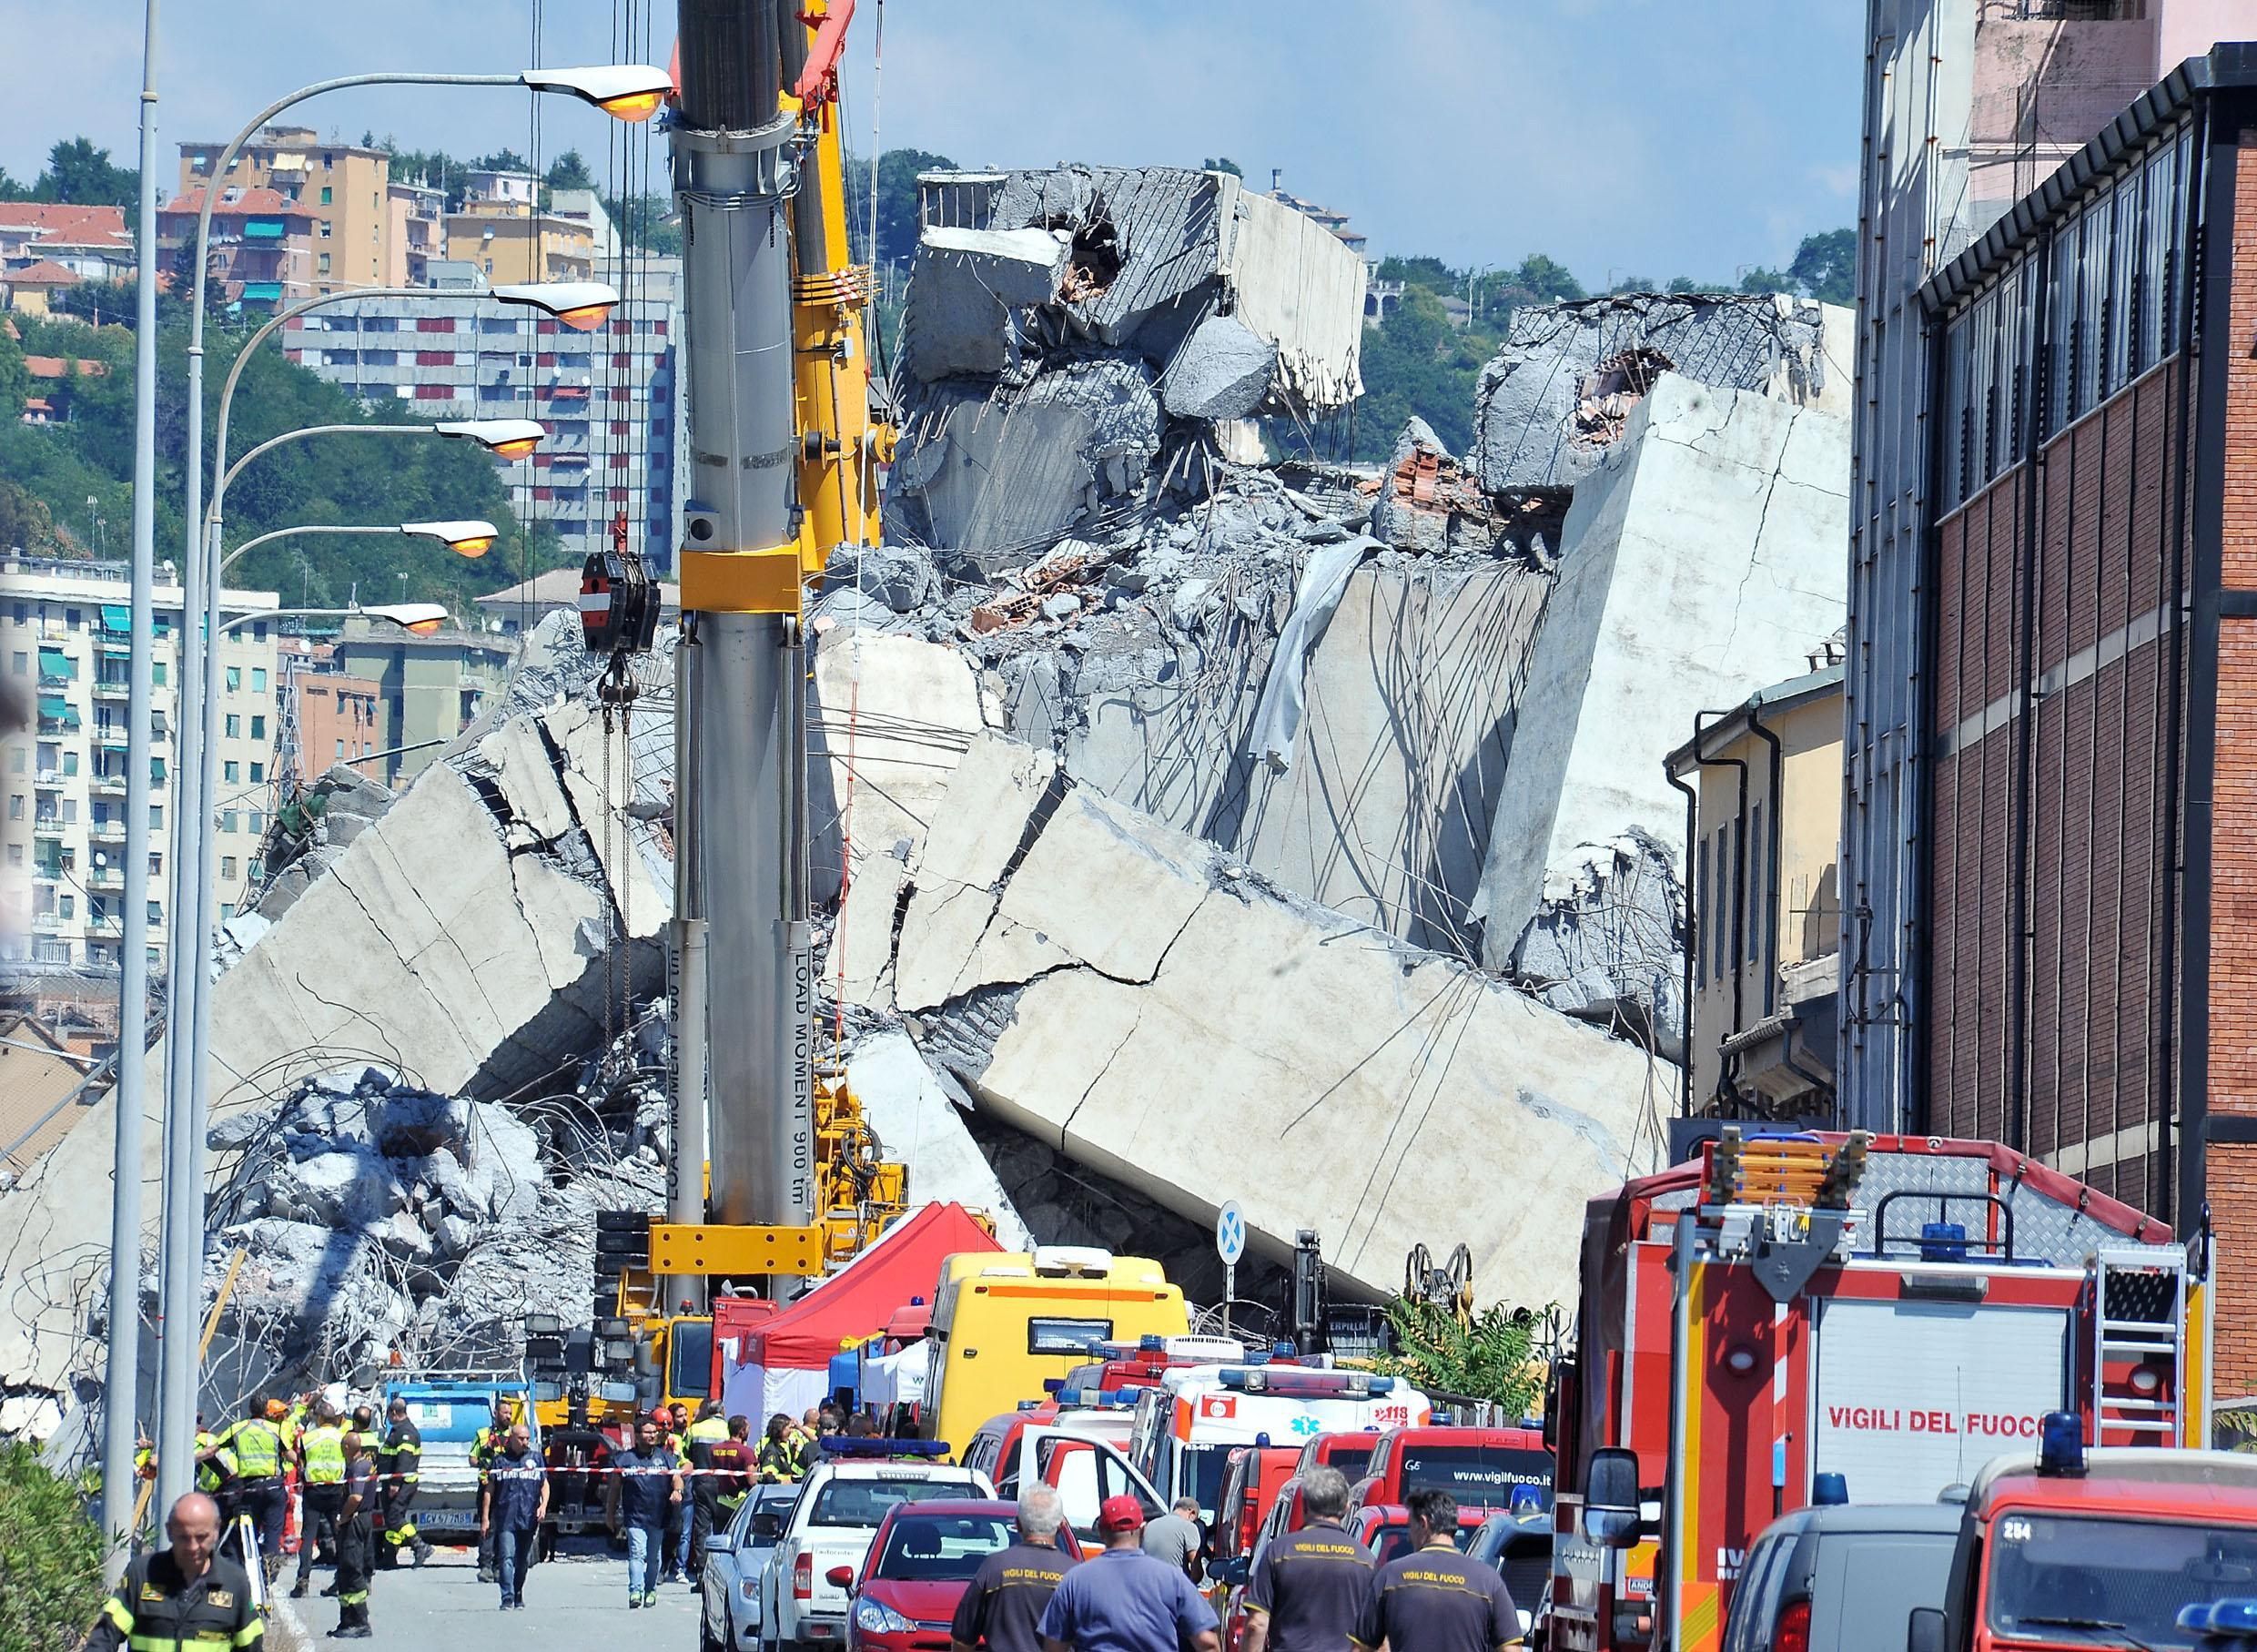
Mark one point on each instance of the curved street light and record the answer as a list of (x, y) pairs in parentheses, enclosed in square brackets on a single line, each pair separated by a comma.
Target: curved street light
[(422, 618), (468, 538), (632, 92)]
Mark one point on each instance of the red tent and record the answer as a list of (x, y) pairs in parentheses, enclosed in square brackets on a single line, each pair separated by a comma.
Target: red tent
[(785, 1361)]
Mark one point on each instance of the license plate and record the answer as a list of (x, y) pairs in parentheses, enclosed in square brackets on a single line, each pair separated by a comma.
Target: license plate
[(446, 1519)]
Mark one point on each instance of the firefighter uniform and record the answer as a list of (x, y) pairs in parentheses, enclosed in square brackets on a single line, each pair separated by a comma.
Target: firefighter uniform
[(215, 1475), (485, 1446), (356, 1547), (699, 1441), (155, 1609), (322, 1447), (399, 1460), (782, 1461), (258, 1492)]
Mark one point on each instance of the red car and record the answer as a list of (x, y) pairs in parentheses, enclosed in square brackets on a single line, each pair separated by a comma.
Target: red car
[(921, 1559), (1384, 1528)]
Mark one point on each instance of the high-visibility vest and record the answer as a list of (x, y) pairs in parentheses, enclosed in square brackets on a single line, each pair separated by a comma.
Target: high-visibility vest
[(325, 1454), (257, 1448), (210, 1477), (708, 1428)]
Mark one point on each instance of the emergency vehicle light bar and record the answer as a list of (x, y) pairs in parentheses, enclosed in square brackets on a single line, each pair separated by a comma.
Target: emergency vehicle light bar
[(2236, 1617), (875, 1445), (1302, 1383)]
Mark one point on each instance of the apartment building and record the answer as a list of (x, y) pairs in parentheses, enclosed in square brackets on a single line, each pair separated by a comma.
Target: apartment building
[(66, 636), (610, 398), (263, 250), (509, 241), (427, 690), (418, 237), (344, 188), (1969, 104), (337, 722), (1763, 785), (91, 242)]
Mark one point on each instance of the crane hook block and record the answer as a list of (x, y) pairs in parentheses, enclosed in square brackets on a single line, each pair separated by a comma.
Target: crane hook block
[(619, 603)]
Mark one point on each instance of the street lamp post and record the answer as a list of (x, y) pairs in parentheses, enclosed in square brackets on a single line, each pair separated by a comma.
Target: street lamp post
[(195, 855), (467, 538)]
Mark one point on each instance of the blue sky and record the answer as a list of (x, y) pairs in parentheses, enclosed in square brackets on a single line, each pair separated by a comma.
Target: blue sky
[(1653, 138)]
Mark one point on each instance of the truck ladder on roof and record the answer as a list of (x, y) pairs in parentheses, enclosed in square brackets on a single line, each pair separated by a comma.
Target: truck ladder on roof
[(2139, 1324)]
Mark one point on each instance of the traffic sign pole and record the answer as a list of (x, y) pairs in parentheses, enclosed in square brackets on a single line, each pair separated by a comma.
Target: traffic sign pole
[(1229, 1245)]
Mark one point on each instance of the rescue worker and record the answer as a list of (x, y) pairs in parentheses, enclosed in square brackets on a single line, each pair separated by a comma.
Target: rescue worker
[(678, 1516), (1432, 1598), (1002, 1605), (214, 1470), (734, 1466), (1307, 1589), (356, 1541), (182, 1596), (399, 1460), (485, 1446), (144, 1457), (257, 1442), (321, 1458), (699, 1440), (520, 1506), (1126, 1601), (647, 1482), (781, 1461)]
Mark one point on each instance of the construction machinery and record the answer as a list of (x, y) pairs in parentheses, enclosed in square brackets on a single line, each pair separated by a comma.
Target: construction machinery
[(776, 1174)]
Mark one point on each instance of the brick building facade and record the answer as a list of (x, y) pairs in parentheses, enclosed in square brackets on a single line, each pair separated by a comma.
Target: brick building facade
[(2087, 873)]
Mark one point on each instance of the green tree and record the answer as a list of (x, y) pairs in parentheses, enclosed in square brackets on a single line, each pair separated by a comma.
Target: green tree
[(1684, 284), (1825, 266), (1760, 279), (1491, 1358), (81, 176), (1546, 280), (12, 190), (502, 161), (1416, 363), (569, 171), (897, 172), (1635, 283), (14, 380), (1222, 163), (50, 1557), (1430, 273)]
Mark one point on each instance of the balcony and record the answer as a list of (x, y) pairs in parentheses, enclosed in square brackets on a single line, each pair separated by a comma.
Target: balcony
[(106, 877), (111, 691), (119, 646), (48, 923), (107, 786), (48, 780), (110, 739), (108, 831), (48, 826)]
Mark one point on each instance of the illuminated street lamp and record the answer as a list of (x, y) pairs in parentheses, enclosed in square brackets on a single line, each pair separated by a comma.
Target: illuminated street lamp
[(421, 618), (631, 91), (466, 539)]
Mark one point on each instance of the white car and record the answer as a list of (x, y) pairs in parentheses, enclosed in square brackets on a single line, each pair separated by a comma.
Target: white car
[(838, 1511)]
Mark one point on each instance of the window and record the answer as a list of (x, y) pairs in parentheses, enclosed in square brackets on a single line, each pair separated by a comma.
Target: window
[(16, 807), (259, 727), (1065, 1336), (321, 228), (1754, 947), (341, 751), (15, 761), (19, 662), (259, 821), (66, 906), (1720, 951), (231, 772), (226, 867), (235, 679), (228, 821), (157, 865), (322, 266), (259, 679), (157, 913), (327, 199), (70, 763), (258, 774), (258, 631), (156, 818), (1703, 912), (156, 673), (16, 854)]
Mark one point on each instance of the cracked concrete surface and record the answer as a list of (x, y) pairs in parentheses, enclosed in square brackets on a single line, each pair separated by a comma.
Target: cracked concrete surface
[(458, 942), (1171, 1019), (1703, 557)]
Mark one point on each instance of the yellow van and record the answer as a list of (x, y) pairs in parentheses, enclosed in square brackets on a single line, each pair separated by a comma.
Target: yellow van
[(1002, 1323)]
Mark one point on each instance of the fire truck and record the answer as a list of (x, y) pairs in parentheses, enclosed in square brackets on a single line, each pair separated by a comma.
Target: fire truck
[(1893, 1309)]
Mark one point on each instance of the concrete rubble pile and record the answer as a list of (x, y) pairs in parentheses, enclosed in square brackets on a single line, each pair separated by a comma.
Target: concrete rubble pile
[(1077, 351), (379, 1224)]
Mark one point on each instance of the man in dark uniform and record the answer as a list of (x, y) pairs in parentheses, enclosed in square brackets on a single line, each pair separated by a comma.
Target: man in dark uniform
[(356, 1541), (321, 1472), (698, 1441), (256, 1444), (182, 1596), (1004, 1602), (1308, 1590), (486, 1444), (1434, 1599), (399, 1460)]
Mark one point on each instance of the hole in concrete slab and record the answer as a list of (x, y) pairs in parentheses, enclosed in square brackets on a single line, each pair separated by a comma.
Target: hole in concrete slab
[(1094, 263), (1609, 390)]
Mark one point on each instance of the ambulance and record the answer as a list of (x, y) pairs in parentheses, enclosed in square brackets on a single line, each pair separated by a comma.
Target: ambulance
[(1888, 1313), (1187, 1424)]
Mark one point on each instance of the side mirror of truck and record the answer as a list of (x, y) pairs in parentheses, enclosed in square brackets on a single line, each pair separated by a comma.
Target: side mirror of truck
[(1924, 1631), (1232, 1572), (840, 1577), (1610, 1498)]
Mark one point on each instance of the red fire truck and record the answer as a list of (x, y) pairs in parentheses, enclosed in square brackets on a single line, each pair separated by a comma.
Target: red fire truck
[(1893, 1309)]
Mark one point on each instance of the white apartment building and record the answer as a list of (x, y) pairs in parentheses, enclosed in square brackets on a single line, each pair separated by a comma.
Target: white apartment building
[(611, 399), (65, 639)]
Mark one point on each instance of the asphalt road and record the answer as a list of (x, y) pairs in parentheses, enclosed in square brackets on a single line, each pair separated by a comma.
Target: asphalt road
[(577, 1600)]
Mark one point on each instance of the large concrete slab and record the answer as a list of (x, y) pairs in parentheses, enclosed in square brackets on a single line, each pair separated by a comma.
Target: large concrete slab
[(458, 941), (1703, 558), (1192, 1030)]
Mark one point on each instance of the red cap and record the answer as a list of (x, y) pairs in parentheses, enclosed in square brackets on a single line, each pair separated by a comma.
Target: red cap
[(1121, 1513)]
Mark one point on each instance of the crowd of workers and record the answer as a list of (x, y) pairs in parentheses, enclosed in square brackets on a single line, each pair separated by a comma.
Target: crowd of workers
[(1316, 1589)]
